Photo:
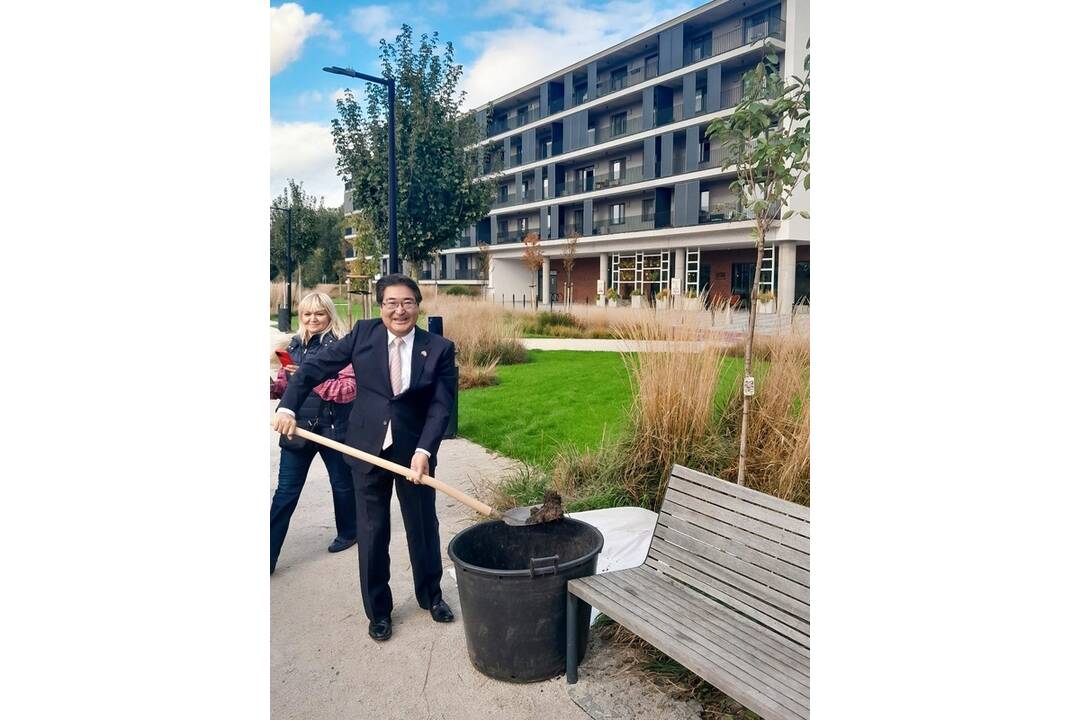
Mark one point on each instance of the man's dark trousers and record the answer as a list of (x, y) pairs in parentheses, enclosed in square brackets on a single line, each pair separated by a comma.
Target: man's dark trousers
[(417, 503)]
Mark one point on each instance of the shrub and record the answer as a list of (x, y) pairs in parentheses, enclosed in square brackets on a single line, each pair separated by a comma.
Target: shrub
[(483, 333), (473, 376), (461, 290)]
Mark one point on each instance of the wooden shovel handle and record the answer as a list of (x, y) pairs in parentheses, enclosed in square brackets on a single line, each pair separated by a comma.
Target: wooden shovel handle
[(400, 470)]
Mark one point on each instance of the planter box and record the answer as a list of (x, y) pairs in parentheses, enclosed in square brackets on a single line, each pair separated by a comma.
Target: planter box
[(766, 307), (635, 301)]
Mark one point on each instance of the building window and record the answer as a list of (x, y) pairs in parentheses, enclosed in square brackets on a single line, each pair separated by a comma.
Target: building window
[(617, 168), (700, 47), (757, 25), (704, 149), (523, 225), (648, 209), (652, 66), (581, 93), (618, 78), (584, 179), (504, 193), (618, 124), (617, 213), (699, 100), (704, 207)]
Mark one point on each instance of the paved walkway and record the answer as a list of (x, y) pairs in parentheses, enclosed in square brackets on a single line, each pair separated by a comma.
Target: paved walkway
[(323, 665)]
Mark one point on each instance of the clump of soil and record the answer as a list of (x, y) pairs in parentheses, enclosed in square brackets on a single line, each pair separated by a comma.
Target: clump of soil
[(551, 510)]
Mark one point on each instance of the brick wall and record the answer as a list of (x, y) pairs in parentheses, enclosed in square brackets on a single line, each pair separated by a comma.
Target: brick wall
[(586, 273)]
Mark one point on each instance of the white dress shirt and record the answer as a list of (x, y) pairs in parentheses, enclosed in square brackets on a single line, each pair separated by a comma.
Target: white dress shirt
[(405, 349)]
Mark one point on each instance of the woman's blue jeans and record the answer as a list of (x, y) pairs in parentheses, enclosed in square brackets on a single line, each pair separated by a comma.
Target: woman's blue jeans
[(292, 472)]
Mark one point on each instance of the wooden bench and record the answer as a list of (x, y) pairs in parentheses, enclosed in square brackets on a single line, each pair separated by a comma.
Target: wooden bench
[(724, 590)]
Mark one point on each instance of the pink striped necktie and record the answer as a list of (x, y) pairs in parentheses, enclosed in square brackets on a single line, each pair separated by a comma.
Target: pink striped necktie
[(395, 365)]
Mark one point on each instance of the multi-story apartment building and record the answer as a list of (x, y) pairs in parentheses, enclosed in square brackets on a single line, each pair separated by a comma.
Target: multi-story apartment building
[(613, 148)]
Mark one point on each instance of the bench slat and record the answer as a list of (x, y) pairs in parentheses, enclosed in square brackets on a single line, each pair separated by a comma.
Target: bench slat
[(777, 646), (757, 642), (721, 545), (751, 532), (784, 506), (735, 651), (786, 624), (726, 500), (671, 637), (769, 587)]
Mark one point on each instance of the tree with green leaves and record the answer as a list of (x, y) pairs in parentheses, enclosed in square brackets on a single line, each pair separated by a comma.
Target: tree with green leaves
[(768, 138), (366, 251), (437, 147), (307, 227)]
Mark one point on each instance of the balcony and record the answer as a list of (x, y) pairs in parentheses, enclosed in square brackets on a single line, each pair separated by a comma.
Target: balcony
[(507, 201), (513, 122), (628, 126), (511, 236), (632, 223), (467, 274), (514, 161), (638, 75), (727, 213), (733, 39)]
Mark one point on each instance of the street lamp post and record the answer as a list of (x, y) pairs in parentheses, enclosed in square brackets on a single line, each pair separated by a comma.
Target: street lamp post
[(284, 321), (389, 83)]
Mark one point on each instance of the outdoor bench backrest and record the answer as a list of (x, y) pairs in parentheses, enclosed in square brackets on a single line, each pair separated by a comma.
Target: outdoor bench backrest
[(745, 549)]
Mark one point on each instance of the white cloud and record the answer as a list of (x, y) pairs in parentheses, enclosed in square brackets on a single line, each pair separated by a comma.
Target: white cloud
[(304, 151), (374, 23), (541, 40), (290, 28)]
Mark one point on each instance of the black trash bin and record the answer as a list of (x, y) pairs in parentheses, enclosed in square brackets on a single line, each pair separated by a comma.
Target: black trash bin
[(512, 586)]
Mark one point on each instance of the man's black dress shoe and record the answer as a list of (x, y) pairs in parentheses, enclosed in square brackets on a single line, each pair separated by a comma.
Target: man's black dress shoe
[(440, 612), (380, 629), (338, 545)]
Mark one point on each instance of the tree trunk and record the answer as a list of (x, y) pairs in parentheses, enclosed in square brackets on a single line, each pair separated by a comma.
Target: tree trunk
[(741, 479)]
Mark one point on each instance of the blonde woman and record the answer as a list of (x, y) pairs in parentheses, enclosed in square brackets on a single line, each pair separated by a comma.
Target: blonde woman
[(326, 412)]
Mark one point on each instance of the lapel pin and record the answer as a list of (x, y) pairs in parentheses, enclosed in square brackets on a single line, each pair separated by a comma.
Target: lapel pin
[(423, 353)]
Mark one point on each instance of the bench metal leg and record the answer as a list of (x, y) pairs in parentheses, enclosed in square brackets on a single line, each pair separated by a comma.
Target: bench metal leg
[(571, 638)]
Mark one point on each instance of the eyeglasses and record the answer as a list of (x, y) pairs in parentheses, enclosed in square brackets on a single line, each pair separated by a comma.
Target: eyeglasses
[(393, 305)]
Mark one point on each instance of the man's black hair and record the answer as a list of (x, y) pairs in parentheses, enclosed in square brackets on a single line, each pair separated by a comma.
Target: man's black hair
[(396, 279)]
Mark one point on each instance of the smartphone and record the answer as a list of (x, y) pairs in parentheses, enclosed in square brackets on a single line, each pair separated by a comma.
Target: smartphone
[(284, 358)]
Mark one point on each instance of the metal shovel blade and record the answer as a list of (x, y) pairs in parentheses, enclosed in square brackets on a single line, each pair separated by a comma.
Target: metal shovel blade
[(518, 516)]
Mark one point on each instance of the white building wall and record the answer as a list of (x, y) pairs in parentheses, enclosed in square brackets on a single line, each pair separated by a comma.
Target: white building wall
[(509, 276)]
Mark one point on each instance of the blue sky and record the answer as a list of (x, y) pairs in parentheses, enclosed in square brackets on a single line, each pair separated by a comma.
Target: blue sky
[(502, 45)]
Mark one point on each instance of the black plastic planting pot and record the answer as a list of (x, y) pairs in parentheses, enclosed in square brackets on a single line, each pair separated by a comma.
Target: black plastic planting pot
[(512, 587)]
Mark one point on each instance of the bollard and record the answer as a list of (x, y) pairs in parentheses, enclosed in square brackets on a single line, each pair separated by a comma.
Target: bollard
[(435, 327)]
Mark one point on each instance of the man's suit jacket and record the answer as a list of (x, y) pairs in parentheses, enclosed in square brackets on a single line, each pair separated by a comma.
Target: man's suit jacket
[(419, 415)]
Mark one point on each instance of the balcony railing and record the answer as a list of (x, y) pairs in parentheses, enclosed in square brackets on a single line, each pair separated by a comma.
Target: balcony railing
[(514, 160), (628, 126), (510, 199), (513, 122), (467, 274), (734, 39), (632, 223), (555, 106), (727, 213), (511, 236)]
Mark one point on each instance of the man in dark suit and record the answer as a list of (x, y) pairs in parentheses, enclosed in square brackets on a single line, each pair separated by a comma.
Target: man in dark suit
[(405, 386)]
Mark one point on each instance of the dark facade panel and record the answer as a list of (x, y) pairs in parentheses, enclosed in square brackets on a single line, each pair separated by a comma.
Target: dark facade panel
[(586, 220), (591, 70), (693, 139), (671, 49), (667, 154), (648, 102), (648, 161), (528, 145), (689, 86), (577, 134), (712, 93), (544, 100)]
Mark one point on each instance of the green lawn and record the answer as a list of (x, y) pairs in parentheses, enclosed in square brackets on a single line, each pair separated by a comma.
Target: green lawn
[(560, 397)]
